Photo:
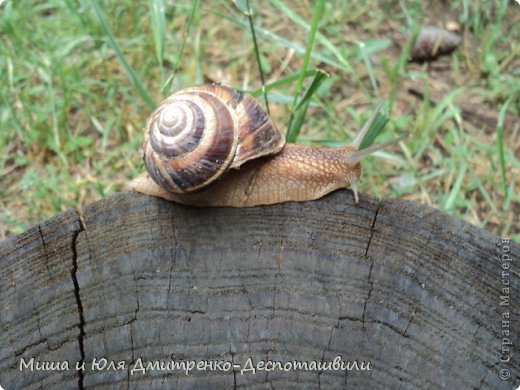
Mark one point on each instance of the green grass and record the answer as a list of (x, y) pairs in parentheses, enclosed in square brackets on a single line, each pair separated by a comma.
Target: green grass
[(78, 79)]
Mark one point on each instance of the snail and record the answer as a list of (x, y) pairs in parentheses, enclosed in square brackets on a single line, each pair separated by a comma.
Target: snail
[(210, 145)]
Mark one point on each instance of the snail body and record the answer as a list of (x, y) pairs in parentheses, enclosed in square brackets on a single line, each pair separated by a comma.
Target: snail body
[(213, 146)]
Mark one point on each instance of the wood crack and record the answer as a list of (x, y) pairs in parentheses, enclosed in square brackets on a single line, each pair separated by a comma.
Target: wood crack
[(174, 257), (81, 324), (370, 282), (333, 327), (44, 244), (372, 227)]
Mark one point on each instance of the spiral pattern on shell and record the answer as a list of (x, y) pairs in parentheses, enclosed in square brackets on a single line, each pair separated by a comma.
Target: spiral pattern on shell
[(199, 133)]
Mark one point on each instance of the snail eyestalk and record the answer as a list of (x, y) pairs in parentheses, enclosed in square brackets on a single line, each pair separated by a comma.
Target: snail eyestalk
[(353, 186)]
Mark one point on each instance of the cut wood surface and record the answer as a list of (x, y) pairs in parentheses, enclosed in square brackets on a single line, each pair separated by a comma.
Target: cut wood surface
[(406, 295)]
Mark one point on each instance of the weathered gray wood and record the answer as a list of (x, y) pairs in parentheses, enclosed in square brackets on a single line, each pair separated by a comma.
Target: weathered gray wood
[(412, 291)]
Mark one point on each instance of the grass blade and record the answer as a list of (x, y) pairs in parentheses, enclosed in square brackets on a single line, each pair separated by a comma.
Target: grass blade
[(170, 79), (243, 6), (249, 14), (299, 112), (319, 77), (281, 82), (375, 129), (292, 131), (500, 145), (450, 202), (158, 22), (368, 64), (129, 71), (319, 37)]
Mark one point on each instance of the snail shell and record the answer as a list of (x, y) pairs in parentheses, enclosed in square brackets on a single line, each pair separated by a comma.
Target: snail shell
[(199, 133)]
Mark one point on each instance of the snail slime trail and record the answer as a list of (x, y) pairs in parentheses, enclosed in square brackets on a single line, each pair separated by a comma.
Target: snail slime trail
[(197, 138)]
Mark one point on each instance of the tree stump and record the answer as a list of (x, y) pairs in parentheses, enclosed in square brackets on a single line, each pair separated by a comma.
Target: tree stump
[(144, 293)]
